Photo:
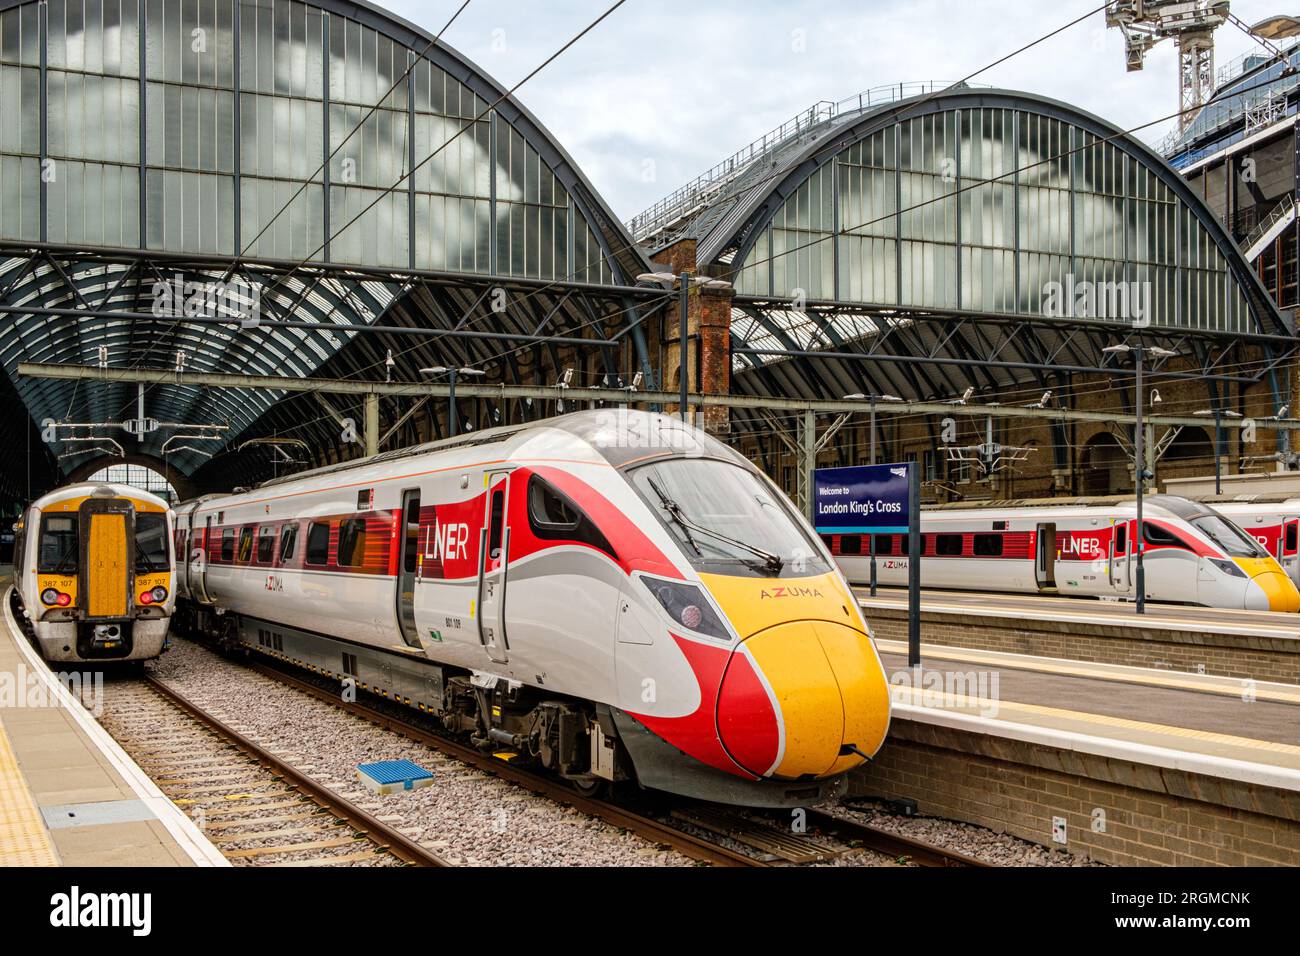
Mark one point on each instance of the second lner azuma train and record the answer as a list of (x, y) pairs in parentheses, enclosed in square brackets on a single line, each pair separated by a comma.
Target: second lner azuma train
[(611, 594), (1081, 548)]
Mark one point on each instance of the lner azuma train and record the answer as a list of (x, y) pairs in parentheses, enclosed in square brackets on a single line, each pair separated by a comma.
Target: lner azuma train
[(93, 572), (613, 595), (1081, 548)]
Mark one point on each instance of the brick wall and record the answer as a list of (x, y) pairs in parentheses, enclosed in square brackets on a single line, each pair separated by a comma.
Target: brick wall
[(1117, 812), (1224, 655)]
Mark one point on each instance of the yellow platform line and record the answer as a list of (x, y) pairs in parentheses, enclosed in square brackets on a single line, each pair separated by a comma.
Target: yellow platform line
[(1200, 683), (24, 840), (917, 698)]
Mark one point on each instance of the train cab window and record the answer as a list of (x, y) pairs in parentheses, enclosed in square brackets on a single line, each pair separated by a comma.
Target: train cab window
[(884, 544), (988, 545), (1154, 534), (1290, 541), (151, 546), (850, 544), (58, 546), (947, 545), (318, 543), (1121, 539), (228, 544), (553, 515), (245, 545), (352, 543), (289, 542), (265, 544)]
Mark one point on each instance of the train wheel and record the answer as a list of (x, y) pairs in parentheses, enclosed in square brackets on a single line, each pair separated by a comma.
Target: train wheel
[(593, 788)]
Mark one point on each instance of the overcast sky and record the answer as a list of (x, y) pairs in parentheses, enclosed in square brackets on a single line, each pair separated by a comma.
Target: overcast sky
[(663, 90)]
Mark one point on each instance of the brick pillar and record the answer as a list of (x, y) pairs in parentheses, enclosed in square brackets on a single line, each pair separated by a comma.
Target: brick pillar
[(708, 337)]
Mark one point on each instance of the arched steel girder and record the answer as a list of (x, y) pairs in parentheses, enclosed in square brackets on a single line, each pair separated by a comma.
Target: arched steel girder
[(741, 229)]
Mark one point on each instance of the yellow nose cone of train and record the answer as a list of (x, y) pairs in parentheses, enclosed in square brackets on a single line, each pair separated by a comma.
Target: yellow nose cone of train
[(1270, 588), (830, 692), (806, 642)]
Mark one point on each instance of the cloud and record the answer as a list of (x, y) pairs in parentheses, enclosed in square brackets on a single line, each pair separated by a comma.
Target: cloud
[(660, 92)]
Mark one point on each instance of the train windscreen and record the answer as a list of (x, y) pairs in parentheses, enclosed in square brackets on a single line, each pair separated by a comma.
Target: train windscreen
[(726, 519), (59, 552), (151, 547), (1234, 542)]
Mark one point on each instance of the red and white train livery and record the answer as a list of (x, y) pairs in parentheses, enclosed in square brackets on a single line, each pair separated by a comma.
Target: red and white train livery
[(1192, 554), (612, 593)]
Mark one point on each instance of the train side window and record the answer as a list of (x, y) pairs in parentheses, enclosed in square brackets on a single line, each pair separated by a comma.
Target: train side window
[(829, 541), (228, 544), (1154, 534), (245, 545), (318, 543), (884, 544), (850, 544), (988, 545), (947, 545), (1290, 542), (553, 515), (265, 544), (1121, 538), (58, 545), (352, 543), (289, 542)]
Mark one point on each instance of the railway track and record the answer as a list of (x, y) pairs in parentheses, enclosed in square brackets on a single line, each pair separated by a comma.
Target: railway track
[(255, 808), (765, 842)]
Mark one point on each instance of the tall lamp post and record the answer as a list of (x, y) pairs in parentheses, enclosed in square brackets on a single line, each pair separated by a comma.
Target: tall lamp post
[(1219, 414), (1140, 473), (452, 375), (873, 399)]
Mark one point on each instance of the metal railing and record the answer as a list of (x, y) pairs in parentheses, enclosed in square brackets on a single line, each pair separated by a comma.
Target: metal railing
[(1234, 109), (1283, 210), (705, 188)]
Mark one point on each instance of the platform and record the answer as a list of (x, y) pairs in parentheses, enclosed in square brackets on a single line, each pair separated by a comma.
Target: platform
[(69, 794), (1257, 645), (1180, 768)]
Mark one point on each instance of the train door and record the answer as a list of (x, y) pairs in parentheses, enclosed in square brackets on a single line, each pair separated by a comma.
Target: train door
[(198, 562), (107, 571), (1121, 547), (1045, 566), (494, 549), (1289, 547), (408, 559)]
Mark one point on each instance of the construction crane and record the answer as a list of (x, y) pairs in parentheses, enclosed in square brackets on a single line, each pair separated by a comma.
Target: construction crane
[(1191, 24)]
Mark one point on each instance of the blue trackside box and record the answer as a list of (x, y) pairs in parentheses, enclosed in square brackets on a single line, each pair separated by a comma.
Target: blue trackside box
[(390, 776)]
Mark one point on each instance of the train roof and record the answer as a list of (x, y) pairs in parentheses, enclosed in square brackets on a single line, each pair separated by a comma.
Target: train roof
[(102, 489), (621, 436), (1174, 503)]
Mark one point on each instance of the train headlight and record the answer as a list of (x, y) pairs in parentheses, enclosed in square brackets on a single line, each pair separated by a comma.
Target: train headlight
[(1227, 567), (687, 605), (159, 594), (49, 596)]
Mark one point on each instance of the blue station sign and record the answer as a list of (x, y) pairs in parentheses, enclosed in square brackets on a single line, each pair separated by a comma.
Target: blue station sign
[(866, 498)]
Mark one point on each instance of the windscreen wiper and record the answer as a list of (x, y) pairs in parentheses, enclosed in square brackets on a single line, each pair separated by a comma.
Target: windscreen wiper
[(675, 512), (772, 562)]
